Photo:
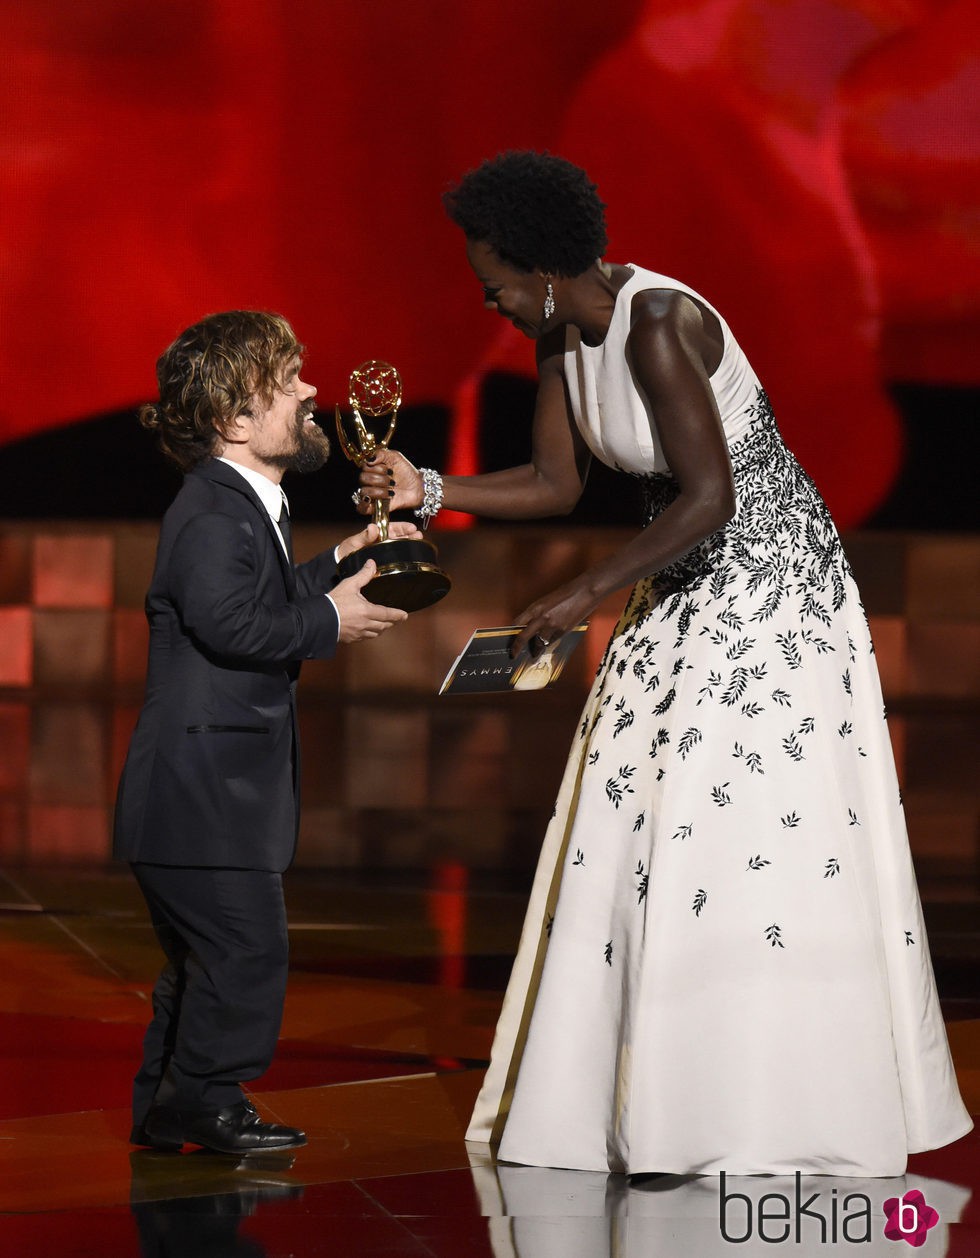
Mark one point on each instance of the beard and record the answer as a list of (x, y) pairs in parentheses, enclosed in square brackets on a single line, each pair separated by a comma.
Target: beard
[(311, 447)]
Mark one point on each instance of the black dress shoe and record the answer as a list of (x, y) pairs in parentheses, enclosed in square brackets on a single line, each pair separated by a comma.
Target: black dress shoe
[(161, 1129), (237, 1129)]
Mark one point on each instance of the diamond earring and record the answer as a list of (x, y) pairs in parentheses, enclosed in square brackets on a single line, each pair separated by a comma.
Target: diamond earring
[(549, 302)]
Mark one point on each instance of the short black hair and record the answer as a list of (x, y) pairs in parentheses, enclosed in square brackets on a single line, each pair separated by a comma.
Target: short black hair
[(535, 210)]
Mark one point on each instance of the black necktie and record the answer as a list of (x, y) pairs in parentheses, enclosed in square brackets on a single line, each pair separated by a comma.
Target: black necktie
[(285, 531)]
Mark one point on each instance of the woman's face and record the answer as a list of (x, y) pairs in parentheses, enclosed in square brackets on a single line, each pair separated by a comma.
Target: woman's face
[(515, 295)]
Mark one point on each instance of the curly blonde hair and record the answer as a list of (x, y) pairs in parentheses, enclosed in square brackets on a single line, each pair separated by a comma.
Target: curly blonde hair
[(209, 376)]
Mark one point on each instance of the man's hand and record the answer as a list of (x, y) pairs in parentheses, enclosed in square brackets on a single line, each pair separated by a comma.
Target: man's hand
[(359, 618), (396, 528)]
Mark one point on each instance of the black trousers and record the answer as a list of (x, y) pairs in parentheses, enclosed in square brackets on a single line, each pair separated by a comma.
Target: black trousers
[(217, 1005)]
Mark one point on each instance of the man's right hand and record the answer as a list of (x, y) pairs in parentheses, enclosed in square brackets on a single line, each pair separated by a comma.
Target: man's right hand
[(360, 618)]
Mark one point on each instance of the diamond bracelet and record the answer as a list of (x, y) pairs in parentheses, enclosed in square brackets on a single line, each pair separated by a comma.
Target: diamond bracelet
[(431, 496)]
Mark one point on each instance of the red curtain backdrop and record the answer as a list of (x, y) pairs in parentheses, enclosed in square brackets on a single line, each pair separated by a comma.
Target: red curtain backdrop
[(810, 165)]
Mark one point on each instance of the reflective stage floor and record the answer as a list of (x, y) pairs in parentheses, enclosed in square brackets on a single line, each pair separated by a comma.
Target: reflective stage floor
[(394, 991)]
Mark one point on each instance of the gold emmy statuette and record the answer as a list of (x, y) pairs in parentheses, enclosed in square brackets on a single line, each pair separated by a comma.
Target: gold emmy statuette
[(408, 574)]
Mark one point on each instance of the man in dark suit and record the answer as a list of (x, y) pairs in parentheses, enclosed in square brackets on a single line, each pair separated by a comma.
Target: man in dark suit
[(208, 806)]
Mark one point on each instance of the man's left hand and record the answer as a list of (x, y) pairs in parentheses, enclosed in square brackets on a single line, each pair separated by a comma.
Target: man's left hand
[(396, 528)]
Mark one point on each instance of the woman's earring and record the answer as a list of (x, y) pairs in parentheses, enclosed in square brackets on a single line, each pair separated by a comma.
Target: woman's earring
[(549, 302)]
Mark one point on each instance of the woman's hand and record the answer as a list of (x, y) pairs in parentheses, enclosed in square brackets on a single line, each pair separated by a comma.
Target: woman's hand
[(396, 528), (549, 617), (389, 476)]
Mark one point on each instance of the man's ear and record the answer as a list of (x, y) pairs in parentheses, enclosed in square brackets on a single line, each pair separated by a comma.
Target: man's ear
[(237, 430)]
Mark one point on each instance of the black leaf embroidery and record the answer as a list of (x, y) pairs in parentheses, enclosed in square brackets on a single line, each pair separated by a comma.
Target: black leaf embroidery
[(807, 725), (609, 953), (739, 648), (853, 817), (579, 857), (769, 605), (708, 691), (909, 941), (774, 935), (821, 644), (641, 886), (752, 709), (619, 786), (678, 666), (840, 596), (719, 579), (624, 720), (813, 608), (732, 619), (846, 681), (758, 863), (832, 868), (684, 621), (845, 728), (782, 698), (752, 758), (594, 756), (790, 821), (793, 747), (660, 739), (699, 901), (791, 652), (720, 795), (665, 702), (735, 689), (638, 823), (684, 832), (688, 741)]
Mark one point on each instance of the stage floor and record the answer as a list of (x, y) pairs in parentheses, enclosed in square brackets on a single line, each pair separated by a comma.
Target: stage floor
[(394, 990)]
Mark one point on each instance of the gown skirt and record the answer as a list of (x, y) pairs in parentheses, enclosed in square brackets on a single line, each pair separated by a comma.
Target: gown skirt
[(724, 964)]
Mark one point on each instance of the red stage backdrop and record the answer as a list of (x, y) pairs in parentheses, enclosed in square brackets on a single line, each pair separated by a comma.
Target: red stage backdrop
[(810, 165)]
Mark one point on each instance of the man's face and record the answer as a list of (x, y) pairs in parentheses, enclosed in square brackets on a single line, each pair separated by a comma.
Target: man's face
[(284, 434)]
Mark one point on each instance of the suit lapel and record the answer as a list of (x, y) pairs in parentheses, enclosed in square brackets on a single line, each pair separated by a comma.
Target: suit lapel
[(226, 476)]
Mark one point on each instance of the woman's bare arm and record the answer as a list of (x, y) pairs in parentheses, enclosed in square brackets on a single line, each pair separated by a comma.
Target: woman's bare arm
[(550, 484), (667, 349)]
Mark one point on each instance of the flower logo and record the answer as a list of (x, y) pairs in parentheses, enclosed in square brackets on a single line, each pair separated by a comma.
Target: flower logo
[(909, 1218)]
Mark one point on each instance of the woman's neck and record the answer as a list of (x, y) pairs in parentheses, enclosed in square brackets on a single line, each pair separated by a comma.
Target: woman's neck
[(589, 299)]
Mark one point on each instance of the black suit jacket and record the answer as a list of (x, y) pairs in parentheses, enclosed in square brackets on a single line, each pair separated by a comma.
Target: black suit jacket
[(212, 774)]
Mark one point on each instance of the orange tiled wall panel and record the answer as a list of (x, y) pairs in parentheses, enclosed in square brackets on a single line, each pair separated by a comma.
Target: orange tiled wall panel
[(394, 776)]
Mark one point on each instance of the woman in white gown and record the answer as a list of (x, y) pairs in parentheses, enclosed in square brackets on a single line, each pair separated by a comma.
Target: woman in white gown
[(724, 964)]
